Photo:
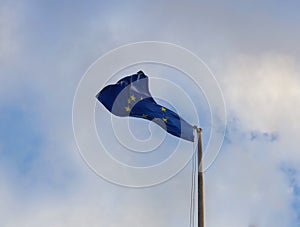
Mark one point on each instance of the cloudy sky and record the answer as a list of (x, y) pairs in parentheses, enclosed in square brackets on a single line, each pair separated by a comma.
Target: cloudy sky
[(251, 47)]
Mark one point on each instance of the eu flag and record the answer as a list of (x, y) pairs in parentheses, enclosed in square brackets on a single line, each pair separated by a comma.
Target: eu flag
[(130, 96)]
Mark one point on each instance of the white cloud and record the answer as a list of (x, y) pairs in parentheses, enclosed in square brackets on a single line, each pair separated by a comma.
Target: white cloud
[(264, 92), (246, 185), (10, 26), (95, 202)]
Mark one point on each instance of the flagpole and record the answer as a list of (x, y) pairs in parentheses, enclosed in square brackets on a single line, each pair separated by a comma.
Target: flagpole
[(200, 180)]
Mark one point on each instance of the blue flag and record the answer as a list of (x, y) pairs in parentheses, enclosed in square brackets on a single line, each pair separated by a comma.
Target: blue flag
[(130, 96)]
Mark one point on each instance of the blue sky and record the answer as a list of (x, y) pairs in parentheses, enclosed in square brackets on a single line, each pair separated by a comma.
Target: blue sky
[(253, 50)]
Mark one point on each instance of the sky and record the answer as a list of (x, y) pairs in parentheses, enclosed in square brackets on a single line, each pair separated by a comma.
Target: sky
[(252, 48)]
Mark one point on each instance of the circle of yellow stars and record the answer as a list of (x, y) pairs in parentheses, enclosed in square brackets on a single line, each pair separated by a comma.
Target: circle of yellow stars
[(163, 109), (132, 99)]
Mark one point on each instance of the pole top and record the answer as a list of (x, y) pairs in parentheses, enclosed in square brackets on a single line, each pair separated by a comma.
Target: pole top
[(199, 130)]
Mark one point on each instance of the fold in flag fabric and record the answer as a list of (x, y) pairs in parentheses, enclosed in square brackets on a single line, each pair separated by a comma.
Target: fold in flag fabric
[(130, 97)]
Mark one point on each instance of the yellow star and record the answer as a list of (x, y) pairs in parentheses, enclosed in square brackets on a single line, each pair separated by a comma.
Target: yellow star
[(127, 108), (163, 109), (144, 115), (129, 101), (165, 119), (132, 98)]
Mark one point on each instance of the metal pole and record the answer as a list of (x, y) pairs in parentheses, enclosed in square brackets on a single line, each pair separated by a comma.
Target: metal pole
[(200, 181)]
